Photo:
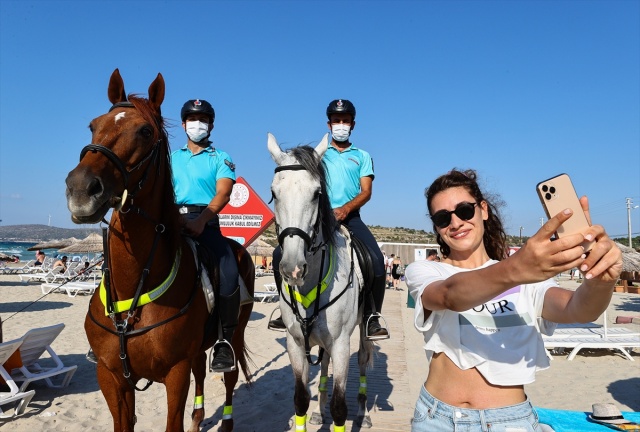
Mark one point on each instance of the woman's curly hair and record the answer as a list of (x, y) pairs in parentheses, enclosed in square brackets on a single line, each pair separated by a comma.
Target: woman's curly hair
[(495, 238)]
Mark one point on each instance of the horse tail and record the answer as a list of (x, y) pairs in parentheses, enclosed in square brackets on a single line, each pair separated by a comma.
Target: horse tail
[(247, 270), (243, 357)]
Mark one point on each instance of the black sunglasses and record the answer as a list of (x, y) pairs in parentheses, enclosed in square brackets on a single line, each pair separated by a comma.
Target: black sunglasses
[(464, 211)]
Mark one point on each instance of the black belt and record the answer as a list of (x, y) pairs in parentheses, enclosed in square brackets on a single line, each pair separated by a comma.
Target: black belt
[(190, 209)]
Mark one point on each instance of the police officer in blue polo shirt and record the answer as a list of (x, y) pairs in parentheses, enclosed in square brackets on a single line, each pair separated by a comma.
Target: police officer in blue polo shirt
[(203, 177), (350, 182)]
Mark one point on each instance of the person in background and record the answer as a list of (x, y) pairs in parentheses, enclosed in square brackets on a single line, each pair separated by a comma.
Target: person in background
[(432, 255), (481, 311), (395, 264), (62, 263), (388, 266), (203, 178), (40, 256)]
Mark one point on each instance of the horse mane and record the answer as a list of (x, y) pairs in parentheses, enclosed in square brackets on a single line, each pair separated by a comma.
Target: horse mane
[(155, 118), (308, 158)]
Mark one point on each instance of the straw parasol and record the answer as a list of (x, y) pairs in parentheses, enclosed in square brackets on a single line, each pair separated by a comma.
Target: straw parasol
[(630, 262), (90, 244), (260, 247), (54, 244)]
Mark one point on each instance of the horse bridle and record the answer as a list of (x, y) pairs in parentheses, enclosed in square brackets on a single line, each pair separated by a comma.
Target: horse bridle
[(309, 240), (117, 162)]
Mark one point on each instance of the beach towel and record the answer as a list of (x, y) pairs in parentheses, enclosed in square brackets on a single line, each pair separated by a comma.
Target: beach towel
[(577, 421)]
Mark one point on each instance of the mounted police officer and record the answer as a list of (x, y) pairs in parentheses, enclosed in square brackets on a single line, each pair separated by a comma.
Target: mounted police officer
[(350, 183), (203, 177)]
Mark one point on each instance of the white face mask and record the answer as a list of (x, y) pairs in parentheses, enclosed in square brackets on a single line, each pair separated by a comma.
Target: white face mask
[(340, 132), (197, 130)]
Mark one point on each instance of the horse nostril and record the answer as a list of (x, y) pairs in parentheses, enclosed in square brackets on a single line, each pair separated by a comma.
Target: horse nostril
[(95, 187)]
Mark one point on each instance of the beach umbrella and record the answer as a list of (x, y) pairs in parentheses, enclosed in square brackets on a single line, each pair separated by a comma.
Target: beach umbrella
[(260, 247), (54, 244), (630, 258), (91, 244)]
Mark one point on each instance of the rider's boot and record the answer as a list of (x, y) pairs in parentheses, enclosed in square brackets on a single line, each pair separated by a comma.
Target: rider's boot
[(277, 324), (374, 330), (224, 359)]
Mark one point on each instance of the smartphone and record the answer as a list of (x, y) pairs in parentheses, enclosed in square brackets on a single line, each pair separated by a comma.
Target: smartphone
[(557, 194)]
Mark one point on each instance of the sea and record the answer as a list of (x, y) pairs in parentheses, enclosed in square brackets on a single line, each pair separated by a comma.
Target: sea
[(20, 249)]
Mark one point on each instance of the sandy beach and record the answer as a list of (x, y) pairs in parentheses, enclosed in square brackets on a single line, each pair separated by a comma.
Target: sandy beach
[(399, 370)]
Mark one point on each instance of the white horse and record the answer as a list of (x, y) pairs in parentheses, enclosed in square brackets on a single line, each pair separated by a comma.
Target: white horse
[(320, 297)]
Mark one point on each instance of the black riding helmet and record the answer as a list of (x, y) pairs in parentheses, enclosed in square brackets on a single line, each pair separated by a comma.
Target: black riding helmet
[(197, 106), (340, 106)]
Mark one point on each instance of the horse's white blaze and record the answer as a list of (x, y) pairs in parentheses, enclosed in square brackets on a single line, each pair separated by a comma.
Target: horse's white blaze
[(119, 116)]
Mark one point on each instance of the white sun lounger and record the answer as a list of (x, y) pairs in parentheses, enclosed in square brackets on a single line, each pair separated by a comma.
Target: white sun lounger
[(579, 336), (14, 394), (71, 288), (265, 296), (34, 343), (576, 343)]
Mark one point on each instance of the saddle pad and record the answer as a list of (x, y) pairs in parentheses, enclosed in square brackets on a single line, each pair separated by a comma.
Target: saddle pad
[(207, 287), (577, 421), (356, 264)]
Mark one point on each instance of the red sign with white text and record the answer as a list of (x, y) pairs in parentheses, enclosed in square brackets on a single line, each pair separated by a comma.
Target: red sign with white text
[(246, 216)]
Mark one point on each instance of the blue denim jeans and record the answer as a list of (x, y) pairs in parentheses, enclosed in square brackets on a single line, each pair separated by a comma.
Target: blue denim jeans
[(432, 415)]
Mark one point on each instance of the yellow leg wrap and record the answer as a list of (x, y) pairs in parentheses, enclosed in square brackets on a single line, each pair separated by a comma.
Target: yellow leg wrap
[(227, 412), (322, 387), (301, 423), (198, 402), (363, 385), (339, 428)]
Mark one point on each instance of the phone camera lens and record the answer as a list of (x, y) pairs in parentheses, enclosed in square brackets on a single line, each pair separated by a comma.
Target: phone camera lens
[(552, 190), (548, 196), (544, 188)]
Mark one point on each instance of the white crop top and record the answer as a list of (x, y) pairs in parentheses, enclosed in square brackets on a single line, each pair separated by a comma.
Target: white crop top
[(500, 338)]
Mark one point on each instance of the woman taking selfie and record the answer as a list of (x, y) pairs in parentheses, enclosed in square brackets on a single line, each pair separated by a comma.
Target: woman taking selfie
[(482, 313)]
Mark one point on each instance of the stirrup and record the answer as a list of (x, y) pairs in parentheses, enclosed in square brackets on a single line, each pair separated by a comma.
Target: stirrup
[(212, 355), (380, 337), (270, 327)]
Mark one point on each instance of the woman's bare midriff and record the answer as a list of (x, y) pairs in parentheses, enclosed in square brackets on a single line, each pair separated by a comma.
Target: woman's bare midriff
[(468, 388)]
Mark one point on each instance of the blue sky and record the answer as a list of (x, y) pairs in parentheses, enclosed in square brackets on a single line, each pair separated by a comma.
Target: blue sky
[(518, 90)]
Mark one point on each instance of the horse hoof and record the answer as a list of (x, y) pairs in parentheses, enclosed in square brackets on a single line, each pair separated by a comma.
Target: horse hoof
[(364, 422), (316, 419)]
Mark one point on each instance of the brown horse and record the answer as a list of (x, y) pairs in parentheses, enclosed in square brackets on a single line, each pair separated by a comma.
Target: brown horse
[(127, 168)]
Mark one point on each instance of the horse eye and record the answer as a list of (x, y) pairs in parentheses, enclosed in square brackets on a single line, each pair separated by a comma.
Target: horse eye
[(146, 132), (317, 194)]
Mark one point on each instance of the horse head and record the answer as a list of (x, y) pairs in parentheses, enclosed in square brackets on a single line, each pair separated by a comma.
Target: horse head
[(125, 142), (304, 219)]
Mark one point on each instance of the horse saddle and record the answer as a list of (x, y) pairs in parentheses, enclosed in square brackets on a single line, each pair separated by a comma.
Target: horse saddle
[(210, 274), (364, 259)]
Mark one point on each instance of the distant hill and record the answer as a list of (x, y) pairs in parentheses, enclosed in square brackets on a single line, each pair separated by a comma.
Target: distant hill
[(40, 233)]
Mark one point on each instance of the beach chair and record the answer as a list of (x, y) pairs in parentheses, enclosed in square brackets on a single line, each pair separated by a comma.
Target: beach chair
[(265, 296), (72, 289), (14, 394), (580, 336), (34, 343)]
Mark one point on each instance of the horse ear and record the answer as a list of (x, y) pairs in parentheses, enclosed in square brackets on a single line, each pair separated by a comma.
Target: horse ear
[(156, 92), (116, 88), (323, 146), (276, 153)]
